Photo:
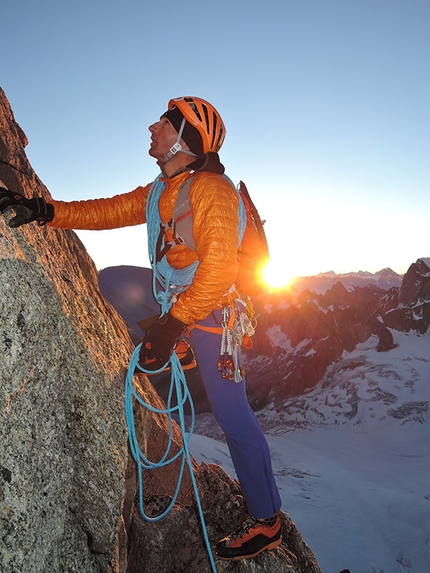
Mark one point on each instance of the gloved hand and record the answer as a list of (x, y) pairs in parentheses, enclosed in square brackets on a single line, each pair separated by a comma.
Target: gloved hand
[(26, 210), (159, 342)]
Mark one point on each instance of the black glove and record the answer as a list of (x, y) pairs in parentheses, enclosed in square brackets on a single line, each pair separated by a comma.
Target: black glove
[(26, 210), (159, 342)]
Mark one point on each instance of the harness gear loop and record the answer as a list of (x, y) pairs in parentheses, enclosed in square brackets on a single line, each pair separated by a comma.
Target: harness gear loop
[(235, 330), (237, 326)]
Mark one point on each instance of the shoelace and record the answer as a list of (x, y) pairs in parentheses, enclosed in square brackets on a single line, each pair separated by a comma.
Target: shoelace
[(244, 528)]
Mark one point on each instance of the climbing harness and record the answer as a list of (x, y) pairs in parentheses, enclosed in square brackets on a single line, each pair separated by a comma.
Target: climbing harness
[(235, 330)]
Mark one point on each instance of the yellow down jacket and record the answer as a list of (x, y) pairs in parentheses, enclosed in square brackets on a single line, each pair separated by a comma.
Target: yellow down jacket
[(215, 230)]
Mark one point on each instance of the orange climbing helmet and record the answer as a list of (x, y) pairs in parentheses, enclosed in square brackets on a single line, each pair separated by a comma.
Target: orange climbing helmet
[(204, 117)]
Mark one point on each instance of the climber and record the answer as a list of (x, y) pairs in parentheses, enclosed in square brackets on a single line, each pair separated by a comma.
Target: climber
[(184, 142)]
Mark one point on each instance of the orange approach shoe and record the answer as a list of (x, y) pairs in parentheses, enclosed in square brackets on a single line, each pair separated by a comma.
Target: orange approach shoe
[(251, 538)]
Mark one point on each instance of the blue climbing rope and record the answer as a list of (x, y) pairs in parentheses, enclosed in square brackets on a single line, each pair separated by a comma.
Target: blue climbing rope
[(179, 387)]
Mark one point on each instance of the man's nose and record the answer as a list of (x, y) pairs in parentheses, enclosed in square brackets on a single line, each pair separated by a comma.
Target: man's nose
[(153, 128)]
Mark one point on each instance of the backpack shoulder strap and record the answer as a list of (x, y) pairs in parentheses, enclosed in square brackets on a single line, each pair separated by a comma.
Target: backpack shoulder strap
[(182, 221)]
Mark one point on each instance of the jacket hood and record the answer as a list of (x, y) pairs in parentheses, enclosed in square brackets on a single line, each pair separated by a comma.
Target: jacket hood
[(208, 162)]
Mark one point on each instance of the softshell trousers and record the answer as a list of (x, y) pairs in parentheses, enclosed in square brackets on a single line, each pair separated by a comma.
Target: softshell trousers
[(129, 290)]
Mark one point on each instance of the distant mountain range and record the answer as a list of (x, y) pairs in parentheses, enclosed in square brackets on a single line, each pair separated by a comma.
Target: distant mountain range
[(385, 279), (301, 333)]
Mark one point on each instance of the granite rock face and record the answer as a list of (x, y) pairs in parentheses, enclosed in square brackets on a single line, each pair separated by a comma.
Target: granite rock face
[(67, 484), (63, 356)]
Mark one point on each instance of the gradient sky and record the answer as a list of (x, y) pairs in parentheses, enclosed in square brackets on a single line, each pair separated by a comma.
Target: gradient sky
[(326, 104)]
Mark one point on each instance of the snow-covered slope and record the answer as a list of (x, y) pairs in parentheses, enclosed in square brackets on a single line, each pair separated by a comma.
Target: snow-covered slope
[(352, 458)]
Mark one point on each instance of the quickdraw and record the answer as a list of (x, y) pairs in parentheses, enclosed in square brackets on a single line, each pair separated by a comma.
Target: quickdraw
[(238, 325)]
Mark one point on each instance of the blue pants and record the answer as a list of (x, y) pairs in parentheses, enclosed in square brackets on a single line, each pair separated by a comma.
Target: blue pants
[(129, 290)]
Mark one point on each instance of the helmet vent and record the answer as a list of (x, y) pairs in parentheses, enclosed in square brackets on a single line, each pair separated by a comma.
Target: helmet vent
[(220, 139), (214, 131), (193, 106), (205, 111)]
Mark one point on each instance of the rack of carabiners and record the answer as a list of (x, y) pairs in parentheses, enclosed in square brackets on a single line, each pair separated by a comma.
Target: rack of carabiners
[(238, 324)]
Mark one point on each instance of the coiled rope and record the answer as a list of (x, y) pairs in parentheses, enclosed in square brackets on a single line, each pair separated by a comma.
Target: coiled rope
[(178, 387)]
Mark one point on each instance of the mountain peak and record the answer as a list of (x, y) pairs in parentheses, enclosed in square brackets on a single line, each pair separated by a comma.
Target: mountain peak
[(385, 278), (425, 260)]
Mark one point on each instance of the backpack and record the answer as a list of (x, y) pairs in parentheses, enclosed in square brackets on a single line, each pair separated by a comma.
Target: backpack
[(253, 251)]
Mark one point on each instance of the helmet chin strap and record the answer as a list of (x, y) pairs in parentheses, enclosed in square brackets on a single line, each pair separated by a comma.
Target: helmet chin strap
[(176, 147)]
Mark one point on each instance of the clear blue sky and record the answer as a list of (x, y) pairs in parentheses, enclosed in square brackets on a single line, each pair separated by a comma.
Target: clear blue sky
[(326, 104)]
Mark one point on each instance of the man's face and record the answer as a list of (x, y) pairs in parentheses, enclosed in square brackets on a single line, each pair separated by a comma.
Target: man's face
[(163, 136)]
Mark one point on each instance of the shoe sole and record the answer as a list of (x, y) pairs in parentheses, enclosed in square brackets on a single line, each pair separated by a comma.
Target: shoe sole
[(272, 545)]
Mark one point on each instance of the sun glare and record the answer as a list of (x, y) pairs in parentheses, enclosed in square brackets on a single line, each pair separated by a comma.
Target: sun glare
[(276, 275)]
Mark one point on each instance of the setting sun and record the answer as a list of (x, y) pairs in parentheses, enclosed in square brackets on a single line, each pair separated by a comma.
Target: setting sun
[(277, 275)]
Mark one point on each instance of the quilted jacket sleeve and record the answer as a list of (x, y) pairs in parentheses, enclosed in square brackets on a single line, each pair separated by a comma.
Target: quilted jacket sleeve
[(215, 228), (123, 210)]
